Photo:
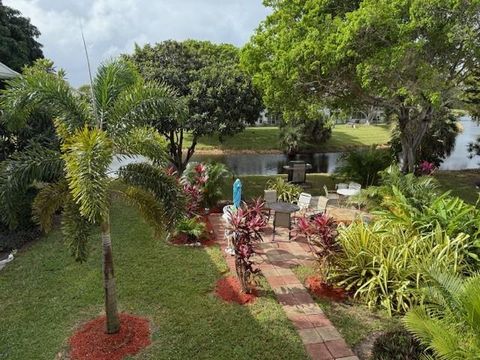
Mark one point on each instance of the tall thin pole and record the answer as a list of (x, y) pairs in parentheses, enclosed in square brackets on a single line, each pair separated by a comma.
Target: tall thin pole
[(94, 104)]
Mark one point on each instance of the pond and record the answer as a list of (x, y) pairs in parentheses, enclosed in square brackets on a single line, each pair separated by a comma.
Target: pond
[(272, 164)]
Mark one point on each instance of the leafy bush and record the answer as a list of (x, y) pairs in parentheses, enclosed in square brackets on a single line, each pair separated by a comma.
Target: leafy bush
[(449, 323), (192, 228), (385, 266), (209, 178), (363, 166), (291, 136), (397, 344), (320, 231), (286, 191)]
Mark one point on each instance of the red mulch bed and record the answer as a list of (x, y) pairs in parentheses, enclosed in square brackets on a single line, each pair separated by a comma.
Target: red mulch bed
[(228, 288), (323, 290), (92, 342)]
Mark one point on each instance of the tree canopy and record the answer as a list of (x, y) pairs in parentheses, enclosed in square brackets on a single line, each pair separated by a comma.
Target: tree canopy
[(18, 44), (219, 97), (407, 57)]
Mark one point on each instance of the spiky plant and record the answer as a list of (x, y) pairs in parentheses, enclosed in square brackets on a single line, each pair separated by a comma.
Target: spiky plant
[(449, 324), (92, 130)]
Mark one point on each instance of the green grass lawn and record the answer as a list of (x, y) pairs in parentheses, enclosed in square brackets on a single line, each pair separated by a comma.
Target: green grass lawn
[(266, 138), (461, 183), (45, 295)]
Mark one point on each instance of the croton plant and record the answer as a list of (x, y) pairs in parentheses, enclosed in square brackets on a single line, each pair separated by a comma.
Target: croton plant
[(245, 227)]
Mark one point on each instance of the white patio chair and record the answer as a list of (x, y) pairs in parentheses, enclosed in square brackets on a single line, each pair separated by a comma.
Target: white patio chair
[(319, 205)]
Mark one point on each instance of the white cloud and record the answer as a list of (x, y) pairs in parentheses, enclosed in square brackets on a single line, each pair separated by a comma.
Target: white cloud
[(112, 27)]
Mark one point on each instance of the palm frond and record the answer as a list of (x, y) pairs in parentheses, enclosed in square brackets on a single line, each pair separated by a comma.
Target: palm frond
[(88, 154), (76, 231), (48, 201), (111, 80), (144, 104), (149, 208), (37, 89), (164, 187), (144, 141)]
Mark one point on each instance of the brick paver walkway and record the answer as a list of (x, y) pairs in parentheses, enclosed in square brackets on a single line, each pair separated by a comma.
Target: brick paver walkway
[(322, 341)]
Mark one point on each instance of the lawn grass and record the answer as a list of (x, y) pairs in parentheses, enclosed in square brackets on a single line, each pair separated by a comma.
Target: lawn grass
[(45, 295), (264, 139), (253, 185), (461, 183), (353, 320)]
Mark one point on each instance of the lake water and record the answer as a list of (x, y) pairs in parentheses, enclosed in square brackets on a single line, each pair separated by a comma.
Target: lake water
[(272, 164)]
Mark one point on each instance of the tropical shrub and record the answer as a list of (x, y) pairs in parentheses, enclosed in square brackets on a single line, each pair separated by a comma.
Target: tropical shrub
[(363, 166), (245, 228), (385, 266), (426, 168), (291, 136), (209, 178), (449, 323), (286, 191), (397, 344), (191, 228), (321, 232)]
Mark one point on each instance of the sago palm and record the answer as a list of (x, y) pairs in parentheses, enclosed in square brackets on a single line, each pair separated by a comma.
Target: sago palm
[(93, 129), (450, 324)]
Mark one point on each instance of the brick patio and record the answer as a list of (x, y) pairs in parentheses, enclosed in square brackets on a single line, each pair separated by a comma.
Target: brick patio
[(275, 259)]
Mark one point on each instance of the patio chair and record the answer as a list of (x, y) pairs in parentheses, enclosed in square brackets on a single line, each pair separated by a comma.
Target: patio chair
[(303, 203), (269, 196), (282, 220), (330, 194), (319, 205), (299, 173)]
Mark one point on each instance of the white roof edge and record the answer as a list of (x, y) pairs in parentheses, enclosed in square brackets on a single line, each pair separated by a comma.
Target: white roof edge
[(6, 72)]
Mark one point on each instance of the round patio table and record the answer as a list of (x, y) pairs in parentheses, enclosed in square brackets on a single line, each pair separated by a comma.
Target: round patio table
[(348, 192), (283, 215)]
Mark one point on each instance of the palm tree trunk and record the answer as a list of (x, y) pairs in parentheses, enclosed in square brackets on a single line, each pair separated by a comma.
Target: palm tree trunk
[(113, 322)]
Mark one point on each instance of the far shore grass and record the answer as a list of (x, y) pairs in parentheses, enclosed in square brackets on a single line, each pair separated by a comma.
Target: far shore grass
[(266, 139)]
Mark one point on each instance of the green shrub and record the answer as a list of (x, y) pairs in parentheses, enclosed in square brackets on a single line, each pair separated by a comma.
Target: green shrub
[(449, 323), (286, 191), (397, 344), (385, 267), (363, 166), (192, 228)]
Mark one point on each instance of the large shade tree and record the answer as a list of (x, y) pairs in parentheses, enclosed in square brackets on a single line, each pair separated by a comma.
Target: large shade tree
[(18, 39), (219, 97), (407, 57), (75, 179)]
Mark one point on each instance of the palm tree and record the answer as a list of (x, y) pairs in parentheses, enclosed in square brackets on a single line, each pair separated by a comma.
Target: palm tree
[(114, 119), (450, 324)]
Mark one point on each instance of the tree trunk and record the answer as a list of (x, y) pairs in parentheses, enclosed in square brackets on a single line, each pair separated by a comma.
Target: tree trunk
[(113, 322)]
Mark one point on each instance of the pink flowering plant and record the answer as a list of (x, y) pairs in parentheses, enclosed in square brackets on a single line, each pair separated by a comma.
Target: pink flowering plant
[(426, 168), (245, 227), (321, 233)]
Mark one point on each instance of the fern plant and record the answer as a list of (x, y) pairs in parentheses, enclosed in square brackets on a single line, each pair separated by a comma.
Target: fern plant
[(449, 323)]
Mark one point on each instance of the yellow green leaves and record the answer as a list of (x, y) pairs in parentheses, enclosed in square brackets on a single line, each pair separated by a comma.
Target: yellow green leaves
[(87, 155)]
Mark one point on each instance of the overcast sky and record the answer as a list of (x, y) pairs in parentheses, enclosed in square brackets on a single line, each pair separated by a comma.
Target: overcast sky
[(112, 27)]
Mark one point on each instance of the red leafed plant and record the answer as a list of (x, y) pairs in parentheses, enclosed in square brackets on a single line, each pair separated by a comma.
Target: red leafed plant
[(245, 229), (321, 233), (426, 168)]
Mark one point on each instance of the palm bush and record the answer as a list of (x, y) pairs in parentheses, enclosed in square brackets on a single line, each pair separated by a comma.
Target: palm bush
[(386, 267), (76, 180), (449, 323), (291, 137), (363, 166), (286, 191), (192, 228)]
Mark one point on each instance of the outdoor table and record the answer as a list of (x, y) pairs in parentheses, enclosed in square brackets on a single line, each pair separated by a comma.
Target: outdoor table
[(348, 192), (283, 215)]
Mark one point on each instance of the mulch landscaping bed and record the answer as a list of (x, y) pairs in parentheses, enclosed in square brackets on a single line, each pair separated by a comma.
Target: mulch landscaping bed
[(228, 288), (325, 291), (92, 341)]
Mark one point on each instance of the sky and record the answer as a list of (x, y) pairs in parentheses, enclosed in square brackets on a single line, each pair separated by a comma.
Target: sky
[(112, 27)]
